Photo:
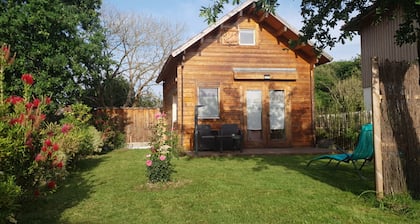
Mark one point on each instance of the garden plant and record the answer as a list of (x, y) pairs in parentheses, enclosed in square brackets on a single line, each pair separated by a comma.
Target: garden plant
[(35, 154), (163, 147)]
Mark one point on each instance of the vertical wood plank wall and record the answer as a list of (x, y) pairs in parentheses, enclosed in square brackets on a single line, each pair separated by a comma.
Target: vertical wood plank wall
[(136, 122)]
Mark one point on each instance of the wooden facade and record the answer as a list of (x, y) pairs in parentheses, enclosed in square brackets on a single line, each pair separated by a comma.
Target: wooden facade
[(378, 40), (263, 85)]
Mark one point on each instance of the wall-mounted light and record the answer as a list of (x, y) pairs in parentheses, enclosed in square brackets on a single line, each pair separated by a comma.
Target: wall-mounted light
[(267, 76)]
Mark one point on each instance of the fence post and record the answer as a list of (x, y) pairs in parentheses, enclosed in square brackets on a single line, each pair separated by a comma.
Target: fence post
[(376, 109)]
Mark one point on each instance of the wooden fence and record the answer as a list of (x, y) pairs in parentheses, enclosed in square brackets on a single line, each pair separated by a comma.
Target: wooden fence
[(136, 123), (341, 129)]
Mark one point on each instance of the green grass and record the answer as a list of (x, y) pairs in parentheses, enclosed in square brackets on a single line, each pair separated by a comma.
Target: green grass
[(112, 188)]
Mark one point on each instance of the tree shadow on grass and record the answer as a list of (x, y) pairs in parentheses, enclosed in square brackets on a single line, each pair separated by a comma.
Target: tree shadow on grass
[(72, 191), (343, 177)]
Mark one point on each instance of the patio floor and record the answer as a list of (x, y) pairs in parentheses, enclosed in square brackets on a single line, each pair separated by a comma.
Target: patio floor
[(264, 151)]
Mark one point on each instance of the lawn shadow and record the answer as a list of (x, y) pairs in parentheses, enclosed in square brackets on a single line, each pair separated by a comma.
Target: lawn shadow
[(343, 177), (70, 192)]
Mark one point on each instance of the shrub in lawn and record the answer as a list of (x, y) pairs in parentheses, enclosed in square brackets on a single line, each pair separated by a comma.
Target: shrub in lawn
[(163, 146), (83, 139), (29, 159), (111, 128)]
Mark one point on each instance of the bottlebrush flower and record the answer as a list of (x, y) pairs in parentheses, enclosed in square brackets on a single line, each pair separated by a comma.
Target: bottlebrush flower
[(28, 79), (47, 100), (39, 157), (14, 100), (66, 128), (48, 142), (51, 184), (55, 147), (59, 165), (36, 102)]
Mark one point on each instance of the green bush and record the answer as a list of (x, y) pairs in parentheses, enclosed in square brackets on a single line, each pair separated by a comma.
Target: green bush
[(10, 194), (111, 128)]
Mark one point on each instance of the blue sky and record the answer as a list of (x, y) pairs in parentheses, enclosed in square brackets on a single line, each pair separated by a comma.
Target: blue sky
[(187, 12)]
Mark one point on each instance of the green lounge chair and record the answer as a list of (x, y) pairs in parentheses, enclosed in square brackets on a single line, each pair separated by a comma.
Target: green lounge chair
[(363, 151)]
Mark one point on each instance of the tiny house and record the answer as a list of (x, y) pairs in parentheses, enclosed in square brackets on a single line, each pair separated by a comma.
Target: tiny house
[(243, 71)]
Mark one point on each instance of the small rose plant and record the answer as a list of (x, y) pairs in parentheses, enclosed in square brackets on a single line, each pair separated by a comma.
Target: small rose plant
[(163, 146)]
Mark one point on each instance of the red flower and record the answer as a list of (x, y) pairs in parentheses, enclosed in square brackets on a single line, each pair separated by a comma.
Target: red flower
[(55, 147), (37, 193), (29, 105), (36, 102), (39, 157), (47, 100), (28, 79), (29, 143), (59, 165), (14, 99), (48, 142), (42, 116), (17, 120), (44, 148), (51, 184), (66, 128), (5, 49)]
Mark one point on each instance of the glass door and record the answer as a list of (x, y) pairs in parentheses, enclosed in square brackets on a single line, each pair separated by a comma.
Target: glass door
[(265, 117), (254, 112), (277, 115)]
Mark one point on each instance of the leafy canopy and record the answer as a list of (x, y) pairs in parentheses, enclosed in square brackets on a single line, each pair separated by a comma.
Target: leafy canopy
[(59, 41)]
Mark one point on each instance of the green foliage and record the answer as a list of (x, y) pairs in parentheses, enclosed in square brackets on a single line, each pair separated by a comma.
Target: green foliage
[(77, 114), (164, 145), (108, 91), (149, 99), (338, 87), (96, 139), (60, 41), (9, 198), (112, 128), (211, 13)]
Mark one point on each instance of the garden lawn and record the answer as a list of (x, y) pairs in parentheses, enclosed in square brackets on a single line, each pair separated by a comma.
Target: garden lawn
[(112, 188)]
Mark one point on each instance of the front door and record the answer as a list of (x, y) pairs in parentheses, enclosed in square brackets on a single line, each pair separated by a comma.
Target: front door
[(266, 117)]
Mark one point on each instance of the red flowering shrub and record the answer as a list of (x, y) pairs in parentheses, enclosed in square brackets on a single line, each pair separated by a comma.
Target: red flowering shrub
[(34, 154)]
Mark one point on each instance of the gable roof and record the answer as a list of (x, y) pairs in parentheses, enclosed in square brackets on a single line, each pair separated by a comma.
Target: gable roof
[(287, 33)]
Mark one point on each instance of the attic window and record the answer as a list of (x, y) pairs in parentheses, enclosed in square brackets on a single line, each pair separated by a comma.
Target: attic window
[(247, 37)]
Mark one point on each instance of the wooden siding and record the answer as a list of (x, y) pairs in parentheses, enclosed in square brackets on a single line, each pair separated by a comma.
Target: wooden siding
[(212, 63), (378, 40)]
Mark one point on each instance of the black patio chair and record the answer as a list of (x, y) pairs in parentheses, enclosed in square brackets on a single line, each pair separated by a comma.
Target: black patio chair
[(230, 137), (206, 138)]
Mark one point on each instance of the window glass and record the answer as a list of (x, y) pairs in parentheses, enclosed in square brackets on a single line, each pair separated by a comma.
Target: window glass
[(246, 37), (209, 98)]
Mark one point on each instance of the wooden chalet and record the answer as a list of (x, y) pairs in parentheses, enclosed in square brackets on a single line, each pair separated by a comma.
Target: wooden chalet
[(243, 71)]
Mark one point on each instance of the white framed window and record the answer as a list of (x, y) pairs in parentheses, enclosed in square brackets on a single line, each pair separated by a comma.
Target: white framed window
[(209, 98), (247, 37)]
